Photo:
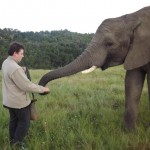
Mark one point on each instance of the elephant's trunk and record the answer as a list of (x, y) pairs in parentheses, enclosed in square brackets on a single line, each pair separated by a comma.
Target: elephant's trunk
[(80, 63)]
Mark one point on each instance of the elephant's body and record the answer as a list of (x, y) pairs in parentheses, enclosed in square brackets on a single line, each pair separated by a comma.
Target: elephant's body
[(125, 39)]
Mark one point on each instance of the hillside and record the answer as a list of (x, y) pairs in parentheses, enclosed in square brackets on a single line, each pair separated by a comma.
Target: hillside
[(44, 49)]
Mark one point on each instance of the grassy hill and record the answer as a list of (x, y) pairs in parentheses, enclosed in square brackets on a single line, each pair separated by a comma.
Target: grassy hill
[(83, 112)]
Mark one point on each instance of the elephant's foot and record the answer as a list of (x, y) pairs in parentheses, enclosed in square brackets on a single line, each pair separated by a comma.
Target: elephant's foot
[(129, 125), (128, 128), (129, 121)]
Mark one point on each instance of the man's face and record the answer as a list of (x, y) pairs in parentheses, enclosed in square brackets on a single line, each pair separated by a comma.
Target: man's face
[(18, 56)]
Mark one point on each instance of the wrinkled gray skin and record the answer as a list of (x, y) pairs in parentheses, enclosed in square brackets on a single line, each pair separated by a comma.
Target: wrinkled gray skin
[(123, 40)]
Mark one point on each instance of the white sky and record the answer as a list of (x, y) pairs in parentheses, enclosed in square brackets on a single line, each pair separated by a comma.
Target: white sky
[(82, 16)]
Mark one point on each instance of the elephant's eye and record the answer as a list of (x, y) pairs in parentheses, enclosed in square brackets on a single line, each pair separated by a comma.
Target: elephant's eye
[(109, 44)]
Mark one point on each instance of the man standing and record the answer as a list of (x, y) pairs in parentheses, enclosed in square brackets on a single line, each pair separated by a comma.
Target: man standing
[(15, 89)]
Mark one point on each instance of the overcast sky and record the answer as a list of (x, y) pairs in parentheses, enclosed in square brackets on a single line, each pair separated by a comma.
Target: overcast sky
[(82, 16)]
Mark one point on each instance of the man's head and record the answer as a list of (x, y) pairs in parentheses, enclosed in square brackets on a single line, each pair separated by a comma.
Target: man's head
[(16, 50)]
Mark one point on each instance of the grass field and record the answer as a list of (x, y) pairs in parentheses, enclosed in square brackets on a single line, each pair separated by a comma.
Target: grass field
[(83, 112)]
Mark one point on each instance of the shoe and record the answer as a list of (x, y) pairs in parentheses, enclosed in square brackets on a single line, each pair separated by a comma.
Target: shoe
[(19, 146)]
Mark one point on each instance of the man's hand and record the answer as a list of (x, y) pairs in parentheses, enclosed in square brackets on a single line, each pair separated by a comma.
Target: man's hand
[(46, 91)]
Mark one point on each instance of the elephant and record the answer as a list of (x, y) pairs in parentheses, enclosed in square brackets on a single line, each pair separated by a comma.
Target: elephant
[(121, 40)]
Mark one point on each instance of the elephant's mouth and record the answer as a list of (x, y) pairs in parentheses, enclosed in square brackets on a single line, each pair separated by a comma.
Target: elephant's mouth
[(104, 67), (112, 61)]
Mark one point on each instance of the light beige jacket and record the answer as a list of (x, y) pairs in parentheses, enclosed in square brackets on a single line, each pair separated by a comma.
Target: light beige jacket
[(16, 86)]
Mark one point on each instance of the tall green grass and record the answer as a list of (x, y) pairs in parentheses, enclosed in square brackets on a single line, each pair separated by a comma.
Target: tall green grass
[(83, 112)]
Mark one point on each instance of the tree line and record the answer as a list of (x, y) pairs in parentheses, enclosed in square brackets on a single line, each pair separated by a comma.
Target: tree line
[(45, 49)]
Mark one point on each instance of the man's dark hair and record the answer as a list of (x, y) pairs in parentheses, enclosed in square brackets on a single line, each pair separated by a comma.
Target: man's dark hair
[(15, 47)]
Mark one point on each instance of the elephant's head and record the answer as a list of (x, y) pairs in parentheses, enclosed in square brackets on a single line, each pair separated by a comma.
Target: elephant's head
[(125, 39)]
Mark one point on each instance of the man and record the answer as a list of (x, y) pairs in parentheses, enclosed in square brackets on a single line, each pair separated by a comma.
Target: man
[(15, 89)]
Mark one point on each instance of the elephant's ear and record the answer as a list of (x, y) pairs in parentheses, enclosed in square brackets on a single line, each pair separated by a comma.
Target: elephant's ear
[(139, 51)]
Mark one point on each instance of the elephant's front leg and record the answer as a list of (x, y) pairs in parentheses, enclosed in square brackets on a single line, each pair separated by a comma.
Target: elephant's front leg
[(134, 81)]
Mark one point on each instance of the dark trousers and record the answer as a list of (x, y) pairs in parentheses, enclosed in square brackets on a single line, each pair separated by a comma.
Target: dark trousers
[(19, 124)]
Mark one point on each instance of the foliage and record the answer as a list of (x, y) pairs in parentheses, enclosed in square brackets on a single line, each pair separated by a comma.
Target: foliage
[(84, 112), (45, 50)]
